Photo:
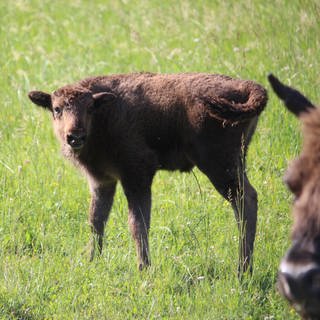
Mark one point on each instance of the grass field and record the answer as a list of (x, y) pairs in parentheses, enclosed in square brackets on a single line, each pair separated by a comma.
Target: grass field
[(44, 271)]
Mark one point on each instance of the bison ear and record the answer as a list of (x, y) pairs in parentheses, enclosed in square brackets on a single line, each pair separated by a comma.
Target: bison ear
[(293, 99), (103, 98), (41, 99)]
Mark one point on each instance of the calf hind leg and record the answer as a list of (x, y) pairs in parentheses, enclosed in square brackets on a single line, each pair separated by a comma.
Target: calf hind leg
[(235, 187), (245, 206)]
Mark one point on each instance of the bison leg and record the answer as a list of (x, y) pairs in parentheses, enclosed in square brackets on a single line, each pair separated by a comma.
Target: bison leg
[(227, 174), (101, 203), (245, 206), (139, 222), (243, 198), (139, 202)]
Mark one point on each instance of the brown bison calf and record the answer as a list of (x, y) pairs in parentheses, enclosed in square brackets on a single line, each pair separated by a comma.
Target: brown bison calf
[(126, 127), (299, 274)]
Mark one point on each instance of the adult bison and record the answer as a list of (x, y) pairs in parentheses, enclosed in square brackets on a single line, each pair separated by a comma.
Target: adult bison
[(126, 127), (299, 274)]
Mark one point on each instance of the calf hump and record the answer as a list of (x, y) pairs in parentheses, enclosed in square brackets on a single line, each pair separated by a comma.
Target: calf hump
[(292, 98), (239, 100)]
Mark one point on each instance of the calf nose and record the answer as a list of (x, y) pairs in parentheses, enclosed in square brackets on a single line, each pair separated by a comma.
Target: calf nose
[(76, 139)]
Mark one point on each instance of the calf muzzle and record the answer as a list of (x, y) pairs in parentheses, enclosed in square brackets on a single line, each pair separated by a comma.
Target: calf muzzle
[(76, 140)]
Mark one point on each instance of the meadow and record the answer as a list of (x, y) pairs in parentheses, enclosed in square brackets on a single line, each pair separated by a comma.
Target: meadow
[(44, 267)]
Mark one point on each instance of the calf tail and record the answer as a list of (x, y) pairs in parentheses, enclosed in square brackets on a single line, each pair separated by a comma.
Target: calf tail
[(238, 101)]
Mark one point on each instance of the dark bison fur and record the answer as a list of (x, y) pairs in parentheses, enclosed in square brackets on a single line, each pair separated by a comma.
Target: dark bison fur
[(126, 127)]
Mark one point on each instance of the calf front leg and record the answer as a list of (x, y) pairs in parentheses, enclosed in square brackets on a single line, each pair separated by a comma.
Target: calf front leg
[(101, 203), (139, 222), (139, 202)]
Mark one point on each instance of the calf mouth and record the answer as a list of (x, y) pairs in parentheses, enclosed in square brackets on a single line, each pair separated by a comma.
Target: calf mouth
[(76, 145)]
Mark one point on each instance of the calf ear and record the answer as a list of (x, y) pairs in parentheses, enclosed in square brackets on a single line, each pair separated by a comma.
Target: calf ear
[(41, 99), (103, 98), (293, 99)]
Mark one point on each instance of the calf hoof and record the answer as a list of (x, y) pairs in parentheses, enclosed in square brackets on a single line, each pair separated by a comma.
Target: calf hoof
[(89, 251), (245, 268), (93, 248), (144, 265)]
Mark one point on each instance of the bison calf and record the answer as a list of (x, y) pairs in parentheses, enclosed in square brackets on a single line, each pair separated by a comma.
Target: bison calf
[(126, 127), (299, 272)]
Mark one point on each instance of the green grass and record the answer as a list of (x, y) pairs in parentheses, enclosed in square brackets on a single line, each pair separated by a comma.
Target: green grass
[(44, 273)]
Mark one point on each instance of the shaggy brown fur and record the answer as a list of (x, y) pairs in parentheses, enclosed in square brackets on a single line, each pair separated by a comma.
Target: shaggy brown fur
[(300, 269), (126, 127), (303, 177)]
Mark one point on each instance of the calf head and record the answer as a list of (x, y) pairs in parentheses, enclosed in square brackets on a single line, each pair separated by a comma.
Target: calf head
[(299, 274), (72, 109)]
